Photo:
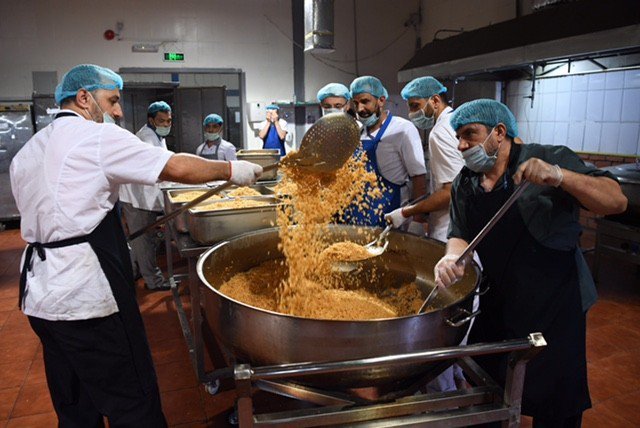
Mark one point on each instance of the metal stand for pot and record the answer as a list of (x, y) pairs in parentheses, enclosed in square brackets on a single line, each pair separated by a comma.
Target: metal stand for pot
[(483, 403)]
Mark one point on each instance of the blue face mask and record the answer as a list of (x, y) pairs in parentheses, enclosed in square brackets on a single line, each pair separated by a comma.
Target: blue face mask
[(368, 121), (420, 120), (106, 118), (477, 159), (163, 131)]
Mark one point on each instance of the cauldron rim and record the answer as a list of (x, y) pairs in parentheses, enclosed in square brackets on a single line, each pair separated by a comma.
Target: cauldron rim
[(216, 247)]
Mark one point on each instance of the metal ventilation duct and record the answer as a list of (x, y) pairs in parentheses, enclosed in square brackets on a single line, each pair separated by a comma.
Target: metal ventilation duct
[(318, 26), (541, 4)]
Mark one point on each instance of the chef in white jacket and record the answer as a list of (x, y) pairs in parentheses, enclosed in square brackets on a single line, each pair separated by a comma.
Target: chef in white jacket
[(141, 204), (76, 283), (214, 146)]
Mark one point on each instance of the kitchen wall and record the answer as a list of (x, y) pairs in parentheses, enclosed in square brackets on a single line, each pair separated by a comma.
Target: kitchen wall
[(252, 35), (592, 113)]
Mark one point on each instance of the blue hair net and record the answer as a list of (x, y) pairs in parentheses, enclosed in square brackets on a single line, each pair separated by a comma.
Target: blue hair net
[(334, 90), (272, 107), (485, 111), (89, 77), (422, 87), (158, 106), (216, 119), (370, 85)]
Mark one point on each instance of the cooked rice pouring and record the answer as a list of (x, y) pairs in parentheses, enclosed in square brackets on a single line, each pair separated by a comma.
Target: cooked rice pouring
[(302, 284)]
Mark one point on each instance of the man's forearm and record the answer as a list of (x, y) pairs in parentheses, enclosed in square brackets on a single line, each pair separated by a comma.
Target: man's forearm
[(419, 183), (456, 246), (191, 169), (437, 201), (264, 131), (281, 132), (600, 195)]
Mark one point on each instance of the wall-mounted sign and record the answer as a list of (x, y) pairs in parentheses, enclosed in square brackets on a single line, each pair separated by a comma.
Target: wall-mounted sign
[(173, 56)]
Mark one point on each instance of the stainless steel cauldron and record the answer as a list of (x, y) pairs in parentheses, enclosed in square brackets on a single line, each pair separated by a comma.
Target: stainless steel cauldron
[(261, 337)]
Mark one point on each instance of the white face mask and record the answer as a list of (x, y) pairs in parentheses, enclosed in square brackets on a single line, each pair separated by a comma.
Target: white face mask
[(477, 159), (326, 111), (163, 131), (212, 136), (421, 120), (106, 118)]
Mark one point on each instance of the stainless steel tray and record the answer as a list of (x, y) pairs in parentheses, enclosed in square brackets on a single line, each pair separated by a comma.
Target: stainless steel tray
[(262, 188), (180, 223), (262, 157), (207, 227)]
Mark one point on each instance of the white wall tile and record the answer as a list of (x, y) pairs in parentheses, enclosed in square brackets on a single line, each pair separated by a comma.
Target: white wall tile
[(524, 87), (535, 132), (530, 113), (548, 112), (523, 131), (564, 84), (551, 85), (563, 105), (595, 105), (609, 137), (628, 140), (614, 80), (524, 109), (578, 106), (631, 105), (546, 132), (576, 134), (561, 134), (612, 105), (596, 81), (632, 79), (591, 142), (580, 83)]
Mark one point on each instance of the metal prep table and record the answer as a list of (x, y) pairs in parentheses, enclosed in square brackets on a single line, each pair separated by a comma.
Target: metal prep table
[(190, 250)]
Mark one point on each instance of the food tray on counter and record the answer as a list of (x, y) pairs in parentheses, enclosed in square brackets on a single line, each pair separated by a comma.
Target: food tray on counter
[(171, 204), (207, 227)]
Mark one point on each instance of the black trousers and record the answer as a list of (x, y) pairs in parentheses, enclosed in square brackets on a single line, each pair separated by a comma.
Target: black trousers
[(91, 373)]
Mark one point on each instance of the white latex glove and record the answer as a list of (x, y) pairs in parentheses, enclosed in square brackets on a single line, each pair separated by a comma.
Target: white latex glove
[(244, 173), (396, 218), (447, 272), (539, 172)]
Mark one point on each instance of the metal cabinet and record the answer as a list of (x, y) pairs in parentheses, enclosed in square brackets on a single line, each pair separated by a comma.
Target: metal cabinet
[(16, 127), (193, 105)]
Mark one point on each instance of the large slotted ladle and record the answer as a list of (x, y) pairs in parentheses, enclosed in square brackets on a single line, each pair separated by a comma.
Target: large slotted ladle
[(374, 248), (485, 230), (324, 149)]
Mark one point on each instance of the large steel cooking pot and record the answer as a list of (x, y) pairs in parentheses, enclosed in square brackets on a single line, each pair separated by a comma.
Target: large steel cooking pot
[(629, 177), (261, 337)]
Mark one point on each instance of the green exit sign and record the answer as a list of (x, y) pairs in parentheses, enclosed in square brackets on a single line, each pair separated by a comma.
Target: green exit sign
[(173, 56)]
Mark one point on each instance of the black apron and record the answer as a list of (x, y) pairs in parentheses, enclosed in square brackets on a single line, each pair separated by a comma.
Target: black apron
[(533, 288), (211, 156), (109, 243)]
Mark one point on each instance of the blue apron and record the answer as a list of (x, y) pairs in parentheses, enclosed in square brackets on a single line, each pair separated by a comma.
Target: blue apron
[(273, 140), (373, 214)]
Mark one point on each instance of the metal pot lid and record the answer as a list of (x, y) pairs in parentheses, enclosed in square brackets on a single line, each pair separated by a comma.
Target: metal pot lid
[(626, 173)]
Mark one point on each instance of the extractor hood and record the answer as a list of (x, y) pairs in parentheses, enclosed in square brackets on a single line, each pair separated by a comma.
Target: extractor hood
[(577, 30)]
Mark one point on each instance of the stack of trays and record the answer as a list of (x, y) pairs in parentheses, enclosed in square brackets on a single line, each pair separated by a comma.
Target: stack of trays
[(262, 157)]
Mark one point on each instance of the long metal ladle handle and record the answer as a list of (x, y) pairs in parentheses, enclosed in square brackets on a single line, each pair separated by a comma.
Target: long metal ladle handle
[(496, 217), (387, 230), (472, 246), (190, 204)]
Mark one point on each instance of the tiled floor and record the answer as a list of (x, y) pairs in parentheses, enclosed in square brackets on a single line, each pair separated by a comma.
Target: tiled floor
[(612, 334)]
